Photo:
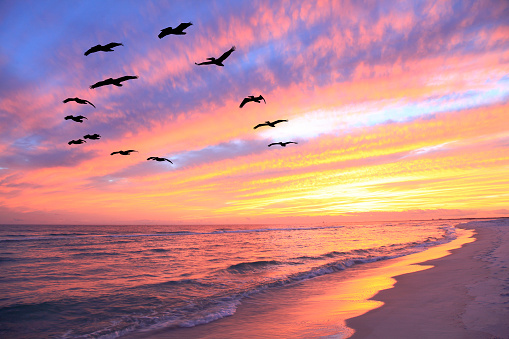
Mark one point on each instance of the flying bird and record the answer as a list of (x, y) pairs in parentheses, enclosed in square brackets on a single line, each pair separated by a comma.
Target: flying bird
[(268, 123), (282, 143), (128, 152), (105, 48), (78, 118), (79, 101), (76, 142), (179, 30), (250, 98), (111, 81), (94, 136), (218, 61), (159, 159)]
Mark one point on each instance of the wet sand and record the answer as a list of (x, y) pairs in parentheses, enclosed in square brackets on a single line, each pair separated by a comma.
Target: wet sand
[(436, 295)]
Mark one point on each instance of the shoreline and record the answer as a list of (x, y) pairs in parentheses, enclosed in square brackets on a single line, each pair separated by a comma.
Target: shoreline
[(324, 306), (464, 295)]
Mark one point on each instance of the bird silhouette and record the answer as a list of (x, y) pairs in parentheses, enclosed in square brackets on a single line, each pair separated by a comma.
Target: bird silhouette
[(218, 61), (268, 123), (159, 159), (105, 48), (128, 152), (179, 30), (94, 136), (111, 81), (282, 143), (76, 142), (78, 118), (250, 98), (79, 101)]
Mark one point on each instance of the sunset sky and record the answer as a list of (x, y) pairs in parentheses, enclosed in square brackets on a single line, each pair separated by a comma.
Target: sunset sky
[(399, 108)]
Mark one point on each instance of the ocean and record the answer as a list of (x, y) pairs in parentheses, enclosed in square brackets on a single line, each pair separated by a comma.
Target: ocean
[(76, 281)]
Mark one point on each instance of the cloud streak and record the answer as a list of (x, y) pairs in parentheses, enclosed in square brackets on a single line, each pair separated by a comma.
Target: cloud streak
[(397, 106)]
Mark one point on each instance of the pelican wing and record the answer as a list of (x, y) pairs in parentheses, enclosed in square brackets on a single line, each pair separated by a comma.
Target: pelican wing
[(244, 101), (274, 143), (262, 99), (69, 99), (117, 152), (164, 32), (168, 160), (204, 63), (151, 158), (131, 150), (183, 26), (108, 81), (226, 54), (88, 102), (94, 49), (278, 121), (127, 77), (113, 44), (259, 125)]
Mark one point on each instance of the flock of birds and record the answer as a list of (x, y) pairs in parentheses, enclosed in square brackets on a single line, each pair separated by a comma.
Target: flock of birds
[(179, 30)]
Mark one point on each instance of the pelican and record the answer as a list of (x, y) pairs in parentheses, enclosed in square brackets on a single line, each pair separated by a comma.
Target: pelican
[(282, 143), (128, 152), (105, 48), (79, 101), (78, 118), (250, 98), (116, 82), (268, 123), (76, 142), (218, 61), (94, 136), (179, 30), (159, 159)]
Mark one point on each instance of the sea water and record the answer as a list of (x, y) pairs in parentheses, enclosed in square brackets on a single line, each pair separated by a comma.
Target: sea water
[(76, 281)]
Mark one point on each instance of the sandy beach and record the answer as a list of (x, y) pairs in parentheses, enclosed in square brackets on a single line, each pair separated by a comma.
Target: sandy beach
[(455, 290), (465, 294)]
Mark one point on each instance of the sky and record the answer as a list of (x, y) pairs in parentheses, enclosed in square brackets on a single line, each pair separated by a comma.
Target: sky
[(399, 110)]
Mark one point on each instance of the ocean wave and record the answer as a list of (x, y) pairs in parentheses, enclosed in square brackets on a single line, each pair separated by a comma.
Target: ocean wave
[(248, 267), (226, 276), (160, 250), (64, 234), (164, 284), (178, 318), (6, 259), (95, 254), (59, 236)]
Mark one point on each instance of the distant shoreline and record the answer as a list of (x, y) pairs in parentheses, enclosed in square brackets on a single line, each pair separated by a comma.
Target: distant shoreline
[(260, 223)]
